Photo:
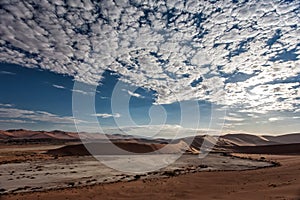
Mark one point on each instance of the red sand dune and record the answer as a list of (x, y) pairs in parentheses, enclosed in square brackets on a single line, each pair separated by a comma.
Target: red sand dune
[(246, 143), (247, 140), (27, 134), (229, 139), (121, 148), (21, 134), (257, 140), (279, 149), (285, 139)]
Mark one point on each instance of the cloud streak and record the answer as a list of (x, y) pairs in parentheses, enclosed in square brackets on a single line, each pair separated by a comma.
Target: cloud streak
[(58, 86), (7, 73), (15, 115), (133, 94), (107, 115)]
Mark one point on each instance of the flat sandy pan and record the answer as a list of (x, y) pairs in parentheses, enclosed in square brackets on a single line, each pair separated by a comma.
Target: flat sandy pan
[(68, 172), (281, 182)]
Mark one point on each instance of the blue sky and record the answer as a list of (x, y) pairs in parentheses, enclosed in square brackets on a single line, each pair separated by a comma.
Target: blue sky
[(41, 100), (35, 90), (181, 64)]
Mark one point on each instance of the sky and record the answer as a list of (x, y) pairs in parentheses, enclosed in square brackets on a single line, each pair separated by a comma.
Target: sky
[(152, 68)]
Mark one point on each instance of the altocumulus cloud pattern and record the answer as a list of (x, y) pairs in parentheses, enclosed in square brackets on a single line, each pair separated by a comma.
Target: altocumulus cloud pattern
[(239, 53)]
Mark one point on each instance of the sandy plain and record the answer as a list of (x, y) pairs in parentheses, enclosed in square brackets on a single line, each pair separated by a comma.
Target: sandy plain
[(281, 182)]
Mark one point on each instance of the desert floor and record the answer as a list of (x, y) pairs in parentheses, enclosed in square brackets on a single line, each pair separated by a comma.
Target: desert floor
[(282, 182)]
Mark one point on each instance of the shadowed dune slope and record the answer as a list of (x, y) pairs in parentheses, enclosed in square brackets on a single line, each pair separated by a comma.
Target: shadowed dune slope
[(283, 149), (21, 134), (227, 140), (257, 140), (247, 140), (124, 144), (252, 144), (285, 139), (121, 148)]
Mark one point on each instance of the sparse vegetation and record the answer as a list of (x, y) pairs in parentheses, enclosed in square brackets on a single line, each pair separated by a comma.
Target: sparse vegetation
[(203, 166), (137, 176), (71, 184)]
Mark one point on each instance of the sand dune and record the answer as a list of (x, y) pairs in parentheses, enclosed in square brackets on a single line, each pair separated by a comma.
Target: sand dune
[(243, 140), (282, 149), (121, 148), (229, 139), (229, 142), (256, 140), (27, 134), (197, 141), (21, 134), (285, 139), (255, 184), (247, 140)]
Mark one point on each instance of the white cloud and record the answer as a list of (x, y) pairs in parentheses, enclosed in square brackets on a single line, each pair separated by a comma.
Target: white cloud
[(233, 114), (15, 121), (103, 97), (7, 73), (30, 116), (58, 86), (134, 94), (5, 105), (74, 90), (82, 92), (252, 115), (107, 115), (169, 56), (273, 119), (235, 119), (230, 126)]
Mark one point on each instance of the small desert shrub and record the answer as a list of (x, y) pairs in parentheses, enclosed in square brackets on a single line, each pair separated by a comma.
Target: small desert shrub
[(224, 154), (71, 184), (169, 173), (137, 176), (203, 166)]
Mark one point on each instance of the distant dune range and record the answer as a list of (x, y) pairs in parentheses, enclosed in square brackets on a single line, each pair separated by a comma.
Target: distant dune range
[(21, 134), (236, 143)]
